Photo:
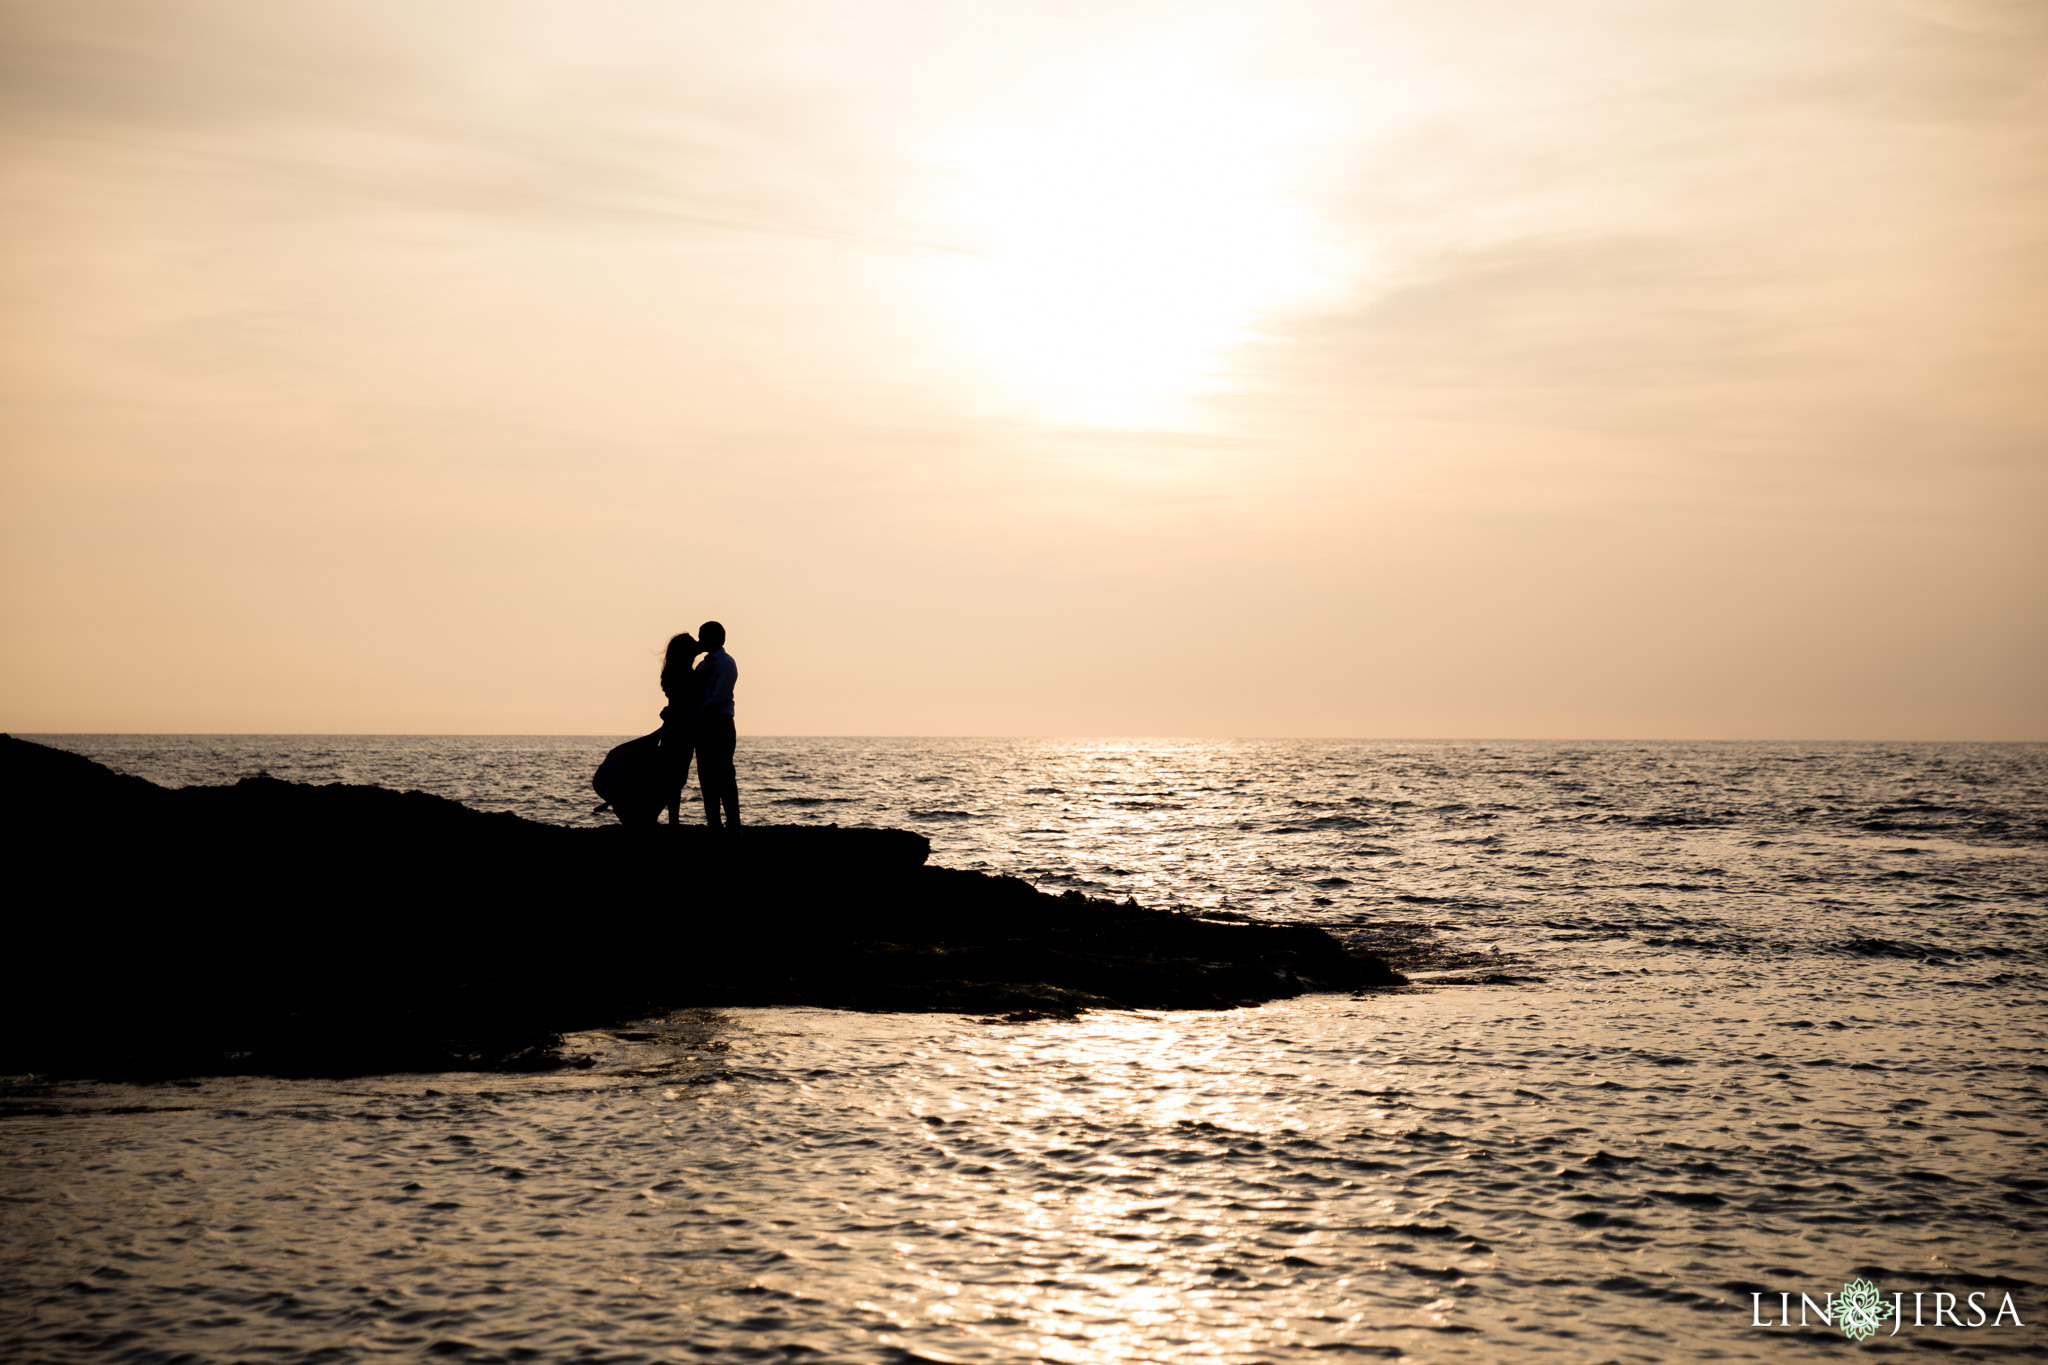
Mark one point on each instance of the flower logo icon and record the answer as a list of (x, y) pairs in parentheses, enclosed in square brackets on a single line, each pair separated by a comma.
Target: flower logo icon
[(1859, 1310)]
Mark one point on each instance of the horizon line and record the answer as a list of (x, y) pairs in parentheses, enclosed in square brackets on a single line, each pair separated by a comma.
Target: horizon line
[(1050, 738)]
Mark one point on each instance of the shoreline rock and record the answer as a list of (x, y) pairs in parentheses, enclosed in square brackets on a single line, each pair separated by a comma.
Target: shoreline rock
[(273, 927)]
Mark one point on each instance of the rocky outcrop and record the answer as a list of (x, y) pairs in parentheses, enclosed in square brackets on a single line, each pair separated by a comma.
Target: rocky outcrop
[(273, 926)]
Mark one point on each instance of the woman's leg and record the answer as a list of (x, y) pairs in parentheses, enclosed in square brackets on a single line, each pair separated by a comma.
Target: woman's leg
[(681, 778), (674, 747)]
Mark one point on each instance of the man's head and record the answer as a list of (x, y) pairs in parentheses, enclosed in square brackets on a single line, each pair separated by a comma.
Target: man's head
[(711, 635)]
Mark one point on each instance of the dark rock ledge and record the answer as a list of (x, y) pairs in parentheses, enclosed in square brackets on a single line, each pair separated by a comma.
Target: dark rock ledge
[(279, 928)]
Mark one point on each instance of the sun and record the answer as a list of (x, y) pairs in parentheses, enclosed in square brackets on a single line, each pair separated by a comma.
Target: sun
[(1126, 241)]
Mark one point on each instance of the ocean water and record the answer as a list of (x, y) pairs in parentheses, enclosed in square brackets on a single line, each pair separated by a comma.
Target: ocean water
[(1737, 1021)]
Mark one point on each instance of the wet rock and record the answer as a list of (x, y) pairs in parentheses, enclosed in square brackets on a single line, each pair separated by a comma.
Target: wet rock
[(284, 928)]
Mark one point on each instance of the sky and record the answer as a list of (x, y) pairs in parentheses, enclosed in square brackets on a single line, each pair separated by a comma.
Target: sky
[(1597, 369)]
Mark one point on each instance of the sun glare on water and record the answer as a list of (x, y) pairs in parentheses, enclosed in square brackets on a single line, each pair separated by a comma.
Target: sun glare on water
[(1126, 241)]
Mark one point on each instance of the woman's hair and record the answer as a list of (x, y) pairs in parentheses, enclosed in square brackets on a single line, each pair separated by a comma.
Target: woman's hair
[(675, 663)]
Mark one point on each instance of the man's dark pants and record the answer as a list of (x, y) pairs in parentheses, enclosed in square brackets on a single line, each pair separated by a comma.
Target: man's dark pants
[(716, 740)]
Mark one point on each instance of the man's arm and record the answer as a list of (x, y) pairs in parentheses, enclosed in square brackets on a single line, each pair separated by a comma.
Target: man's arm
[(719, 673)]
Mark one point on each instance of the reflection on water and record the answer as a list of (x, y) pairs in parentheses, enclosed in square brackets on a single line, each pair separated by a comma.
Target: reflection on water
[(1780, 1024), (1455, 1174)]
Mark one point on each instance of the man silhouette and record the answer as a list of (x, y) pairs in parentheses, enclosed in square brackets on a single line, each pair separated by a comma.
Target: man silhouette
[(716, 737)]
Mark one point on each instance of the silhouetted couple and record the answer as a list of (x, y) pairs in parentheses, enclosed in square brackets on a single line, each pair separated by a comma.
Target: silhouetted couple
[(643, 775), (699, 717)]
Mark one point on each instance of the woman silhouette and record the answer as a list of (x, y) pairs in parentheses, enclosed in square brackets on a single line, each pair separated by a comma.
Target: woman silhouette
[(684, 689)]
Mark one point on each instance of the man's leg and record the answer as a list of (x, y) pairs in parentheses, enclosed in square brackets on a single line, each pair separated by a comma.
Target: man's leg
[(729, 793), (715, 776), (710, 796)]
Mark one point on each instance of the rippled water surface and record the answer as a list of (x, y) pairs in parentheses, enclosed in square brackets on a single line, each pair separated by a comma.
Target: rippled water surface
[(1751, 1018)]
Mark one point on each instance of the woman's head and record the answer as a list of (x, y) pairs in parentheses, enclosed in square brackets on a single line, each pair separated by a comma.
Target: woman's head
[(675, 661)]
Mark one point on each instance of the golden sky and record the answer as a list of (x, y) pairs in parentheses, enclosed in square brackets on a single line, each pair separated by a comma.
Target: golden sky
[(1600, 368)]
